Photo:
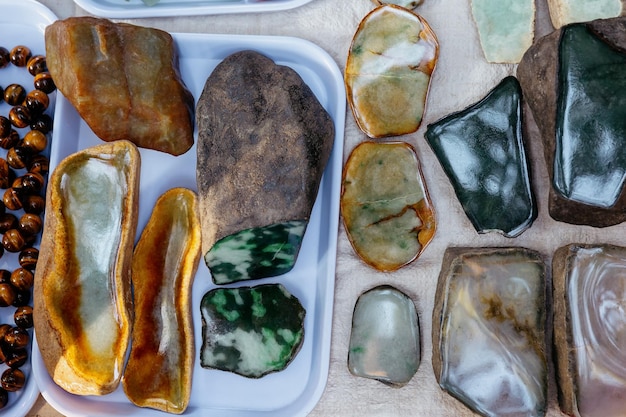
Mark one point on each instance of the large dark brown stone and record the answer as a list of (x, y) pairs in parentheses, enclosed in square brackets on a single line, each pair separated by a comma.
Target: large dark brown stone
[(263, 142), (538, 74)]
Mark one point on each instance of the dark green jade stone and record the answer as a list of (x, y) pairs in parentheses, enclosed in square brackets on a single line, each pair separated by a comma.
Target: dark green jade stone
[(481, 150), (590, 157), (251, 331)]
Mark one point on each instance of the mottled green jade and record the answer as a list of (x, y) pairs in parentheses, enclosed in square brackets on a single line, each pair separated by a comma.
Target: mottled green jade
[(489, 348), (251, 331), (481, 149), (590, 157), (385, 337), (385, 205), (563, 12)]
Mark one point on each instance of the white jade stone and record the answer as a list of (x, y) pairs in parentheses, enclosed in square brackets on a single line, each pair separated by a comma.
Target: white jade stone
[(506, 28), (563, 12), (385, 338)]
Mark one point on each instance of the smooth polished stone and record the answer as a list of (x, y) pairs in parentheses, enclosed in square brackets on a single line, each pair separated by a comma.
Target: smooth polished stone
[(590, 329), (251, 331), (481, 149), (563, 12), (506, 28), (385, 207), (590, 159), (385, 337), (489, 330), (588, 181), (409, 4), (388, 71)]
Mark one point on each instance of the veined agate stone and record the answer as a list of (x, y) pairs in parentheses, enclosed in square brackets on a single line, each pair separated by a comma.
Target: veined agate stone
[(489, 330), (506, 28), (581, 120), (251, 331), (563, 12), (590, 329), (481, 149), (385, 205), (409, 4), (385, 338), (388, 70)]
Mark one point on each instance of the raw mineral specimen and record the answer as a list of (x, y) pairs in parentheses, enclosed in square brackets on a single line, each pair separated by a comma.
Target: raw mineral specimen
[(563, 12), (589, 329), (263, 143), (489, 330), (385, 338), (506, 28), (481, 149), (575, 84), (388, 71), (251, 331), (385, 205)]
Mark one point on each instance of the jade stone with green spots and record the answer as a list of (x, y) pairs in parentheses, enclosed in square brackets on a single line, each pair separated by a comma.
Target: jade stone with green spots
[(481, 149), (251, 331), (256, 253)]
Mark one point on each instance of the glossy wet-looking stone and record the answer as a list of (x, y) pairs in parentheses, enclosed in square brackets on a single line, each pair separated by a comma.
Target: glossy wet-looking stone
[(481, 149), (388, 71), (489, 330), (590, 329), (385, 206), (385, 337)]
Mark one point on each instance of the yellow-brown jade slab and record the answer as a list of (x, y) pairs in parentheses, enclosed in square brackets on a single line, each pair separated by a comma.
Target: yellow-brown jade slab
[(164, 265), (590, 328), (388, 71), (385, 206), (83, 301)]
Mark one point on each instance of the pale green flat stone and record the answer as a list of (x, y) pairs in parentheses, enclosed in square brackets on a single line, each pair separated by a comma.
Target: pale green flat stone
[(505, 28), (563, 12)]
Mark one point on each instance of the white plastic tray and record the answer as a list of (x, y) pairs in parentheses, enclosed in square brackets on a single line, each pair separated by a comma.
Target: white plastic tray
[(136, 8), (296, 390), (21, 23)]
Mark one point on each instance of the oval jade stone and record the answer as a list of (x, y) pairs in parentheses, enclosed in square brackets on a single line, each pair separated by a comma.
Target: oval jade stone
[(388, 71), (385, 206)]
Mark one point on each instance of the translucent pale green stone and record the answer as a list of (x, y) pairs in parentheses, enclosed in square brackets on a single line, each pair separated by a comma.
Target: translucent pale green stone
[(505, 28), (251, 331), (489, 330), (385, 337), (563, 12)]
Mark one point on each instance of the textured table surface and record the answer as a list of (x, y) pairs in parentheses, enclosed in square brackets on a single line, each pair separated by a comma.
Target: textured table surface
[(461, 78)]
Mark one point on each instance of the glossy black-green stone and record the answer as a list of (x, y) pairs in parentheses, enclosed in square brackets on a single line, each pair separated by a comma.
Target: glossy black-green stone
[(251, 331), (590, 159), (481, 150), (256, 253)]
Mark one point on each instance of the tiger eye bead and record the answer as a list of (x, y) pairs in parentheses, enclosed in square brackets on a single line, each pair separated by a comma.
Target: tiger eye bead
[(30, 224), (44, 82), (31, 182), (20, 55), (5, 127), (13, 379), (5, 277), (33, 204), (7, 175), (18, 156), (4, 329), (23, 317), (16, 358), (13, 240), (14, 94), (11, 140), (36, 102), (39, 164), (37, 64), (22, 279), (12, 198), (28, 258), (35, 141), (20, 116), (5, 57), (7, 294), (16, 338), (8, 221), (42, 123), (22, 298)]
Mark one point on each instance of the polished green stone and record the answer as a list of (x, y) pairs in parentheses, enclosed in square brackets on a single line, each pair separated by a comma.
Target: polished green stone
[(590, 158), (256, 253), (251, 331), (563, 12), (481, 150)]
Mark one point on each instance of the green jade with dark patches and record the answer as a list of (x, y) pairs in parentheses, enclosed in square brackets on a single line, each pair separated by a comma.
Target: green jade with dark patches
[(590, 158), (256, 253), (481, 150), (251, 331)]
